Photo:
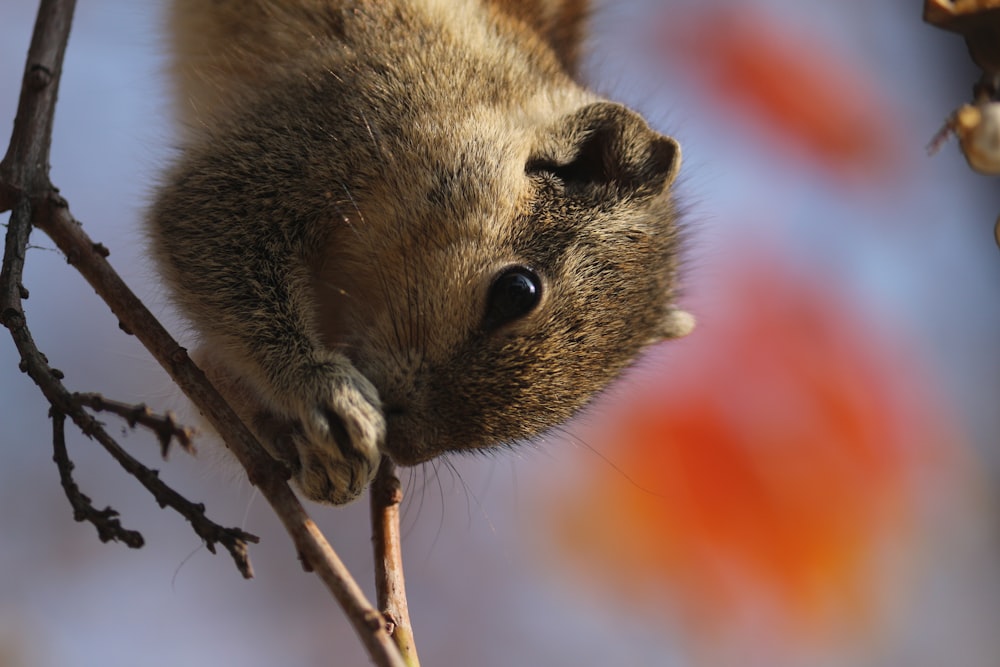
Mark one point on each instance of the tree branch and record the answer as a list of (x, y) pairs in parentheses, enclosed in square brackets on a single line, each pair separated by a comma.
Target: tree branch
[(106, 521), (25, 187), (386, 494), (164, 426), (25, 167), (976, 124), (49, 380)]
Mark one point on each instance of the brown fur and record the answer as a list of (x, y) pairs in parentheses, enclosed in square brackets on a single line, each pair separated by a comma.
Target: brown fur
[(355, 175)]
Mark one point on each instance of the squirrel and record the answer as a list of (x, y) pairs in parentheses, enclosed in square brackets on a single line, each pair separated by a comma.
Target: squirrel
[(404, 228)]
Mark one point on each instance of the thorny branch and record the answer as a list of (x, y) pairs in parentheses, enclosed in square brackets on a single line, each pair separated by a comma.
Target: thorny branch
[(25, 188)]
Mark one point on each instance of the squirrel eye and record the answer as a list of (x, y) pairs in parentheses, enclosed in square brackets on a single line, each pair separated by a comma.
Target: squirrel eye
[(515, 293)]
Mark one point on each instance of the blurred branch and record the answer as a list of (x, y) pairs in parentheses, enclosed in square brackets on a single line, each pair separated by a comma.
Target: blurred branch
[(978, 21), (26, 189), (977, 125), (386, 494)]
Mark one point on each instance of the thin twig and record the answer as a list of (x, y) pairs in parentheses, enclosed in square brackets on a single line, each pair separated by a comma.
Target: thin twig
[(164, 426), (106, 520), (386, 494), (49, 380), (233, 539), (24, 171), (24, 184)]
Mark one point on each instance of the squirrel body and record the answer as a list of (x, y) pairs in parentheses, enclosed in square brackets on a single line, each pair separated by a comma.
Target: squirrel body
[(402, 227)]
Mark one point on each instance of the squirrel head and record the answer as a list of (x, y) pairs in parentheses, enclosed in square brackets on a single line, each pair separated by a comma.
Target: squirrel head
[(521, 270)]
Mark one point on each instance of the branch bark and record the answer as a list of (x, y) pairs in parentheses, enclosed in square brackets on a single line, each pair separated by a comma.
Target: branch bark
[(25, 187), (106, 520), (386, 494), (166, 429)]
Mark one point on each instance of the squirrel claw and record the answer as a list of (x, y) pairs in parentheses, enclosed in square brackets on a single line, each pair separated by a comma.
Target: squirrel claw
[(339, 447)]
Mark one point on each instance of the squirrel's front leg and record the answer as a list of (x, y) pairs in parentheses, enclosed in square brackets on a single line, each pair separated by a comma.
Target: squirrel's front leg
[(319, 414), (253, 304), (329, 437)]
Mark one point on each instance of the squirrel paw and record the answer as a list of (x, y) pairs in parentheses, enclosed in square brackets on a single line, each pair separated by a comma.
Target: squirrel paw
[(340, 446), (333, 446)]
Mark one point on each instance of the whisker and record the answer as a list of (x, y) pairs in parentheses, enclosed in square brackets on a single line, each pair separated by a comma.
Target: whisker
[(578, 440)]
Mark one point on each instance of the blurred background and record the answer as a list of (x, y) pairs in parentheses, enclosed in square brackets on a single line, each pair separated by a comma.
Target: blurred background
[(808, 480)]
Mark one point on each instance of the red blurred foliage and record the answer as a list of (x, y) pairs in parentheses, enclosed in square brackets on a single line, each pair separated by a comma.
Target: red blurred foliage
[(763, 462), (766, 69)]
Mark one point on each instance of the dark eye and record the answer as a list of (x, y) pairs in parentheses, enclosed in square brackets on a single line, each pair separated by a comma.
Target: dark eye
[(515, 293)]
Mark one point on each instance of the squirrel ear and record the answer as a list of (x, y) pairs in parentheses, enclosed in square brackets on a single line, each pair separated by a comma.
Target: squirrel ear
[(677, 324), (607, 144)]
